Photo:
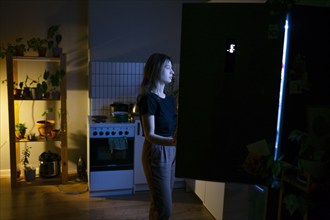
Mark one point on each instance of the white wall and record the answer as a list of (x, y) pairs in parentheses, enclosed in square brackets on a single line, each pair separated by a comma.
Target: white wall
[(31, 19)]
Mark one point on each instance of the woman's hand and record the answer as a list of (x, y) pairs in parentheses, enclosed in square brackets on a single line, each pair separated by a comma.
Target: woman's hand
[(174, 139)]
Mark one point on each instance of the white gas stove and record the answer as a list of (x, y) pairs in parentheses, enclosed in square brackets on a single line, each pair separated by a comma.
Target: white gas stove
[(111, 156)]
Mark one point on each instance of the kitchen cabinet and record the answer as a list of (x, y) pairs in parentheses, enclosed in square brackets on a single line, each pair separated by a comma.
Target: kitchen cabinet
[(214, 198), (211, 194), (140, 181), (16, 66), (200, 188)]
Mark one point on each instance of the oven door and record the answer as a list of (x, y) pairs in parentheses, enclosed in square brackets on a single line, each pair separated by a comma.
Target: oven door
[(111, 153)]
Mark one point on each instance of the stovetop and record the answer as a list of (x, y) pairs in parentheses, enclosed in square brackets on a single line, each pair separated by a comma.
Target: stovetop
[(98, 118), (101, 120)]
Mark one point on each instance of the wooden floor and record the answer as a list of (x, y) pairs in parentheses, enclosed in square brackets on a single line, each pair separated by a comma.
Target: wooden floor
[(48, 202)]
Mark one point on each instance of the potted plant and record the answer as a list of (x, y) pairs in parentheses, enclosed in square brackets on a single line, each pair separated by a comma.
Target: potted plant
[(29, 171), (32, 136), (41, 90), (45, 126), (18, 88), (54, 39), (49, 164), (42, 87), (16, 48), (20, 130), (55, 80), (27, 92), (311, 159), (39, 45)]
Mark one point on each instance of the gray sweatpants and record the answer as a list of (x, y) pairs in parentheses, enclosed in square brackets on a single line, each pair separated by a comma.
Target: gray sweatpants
[(159, 167)]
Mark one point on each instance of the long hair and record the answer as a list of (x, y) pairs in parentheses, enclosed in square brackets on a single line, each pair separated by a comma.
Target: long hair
[(152, 70)]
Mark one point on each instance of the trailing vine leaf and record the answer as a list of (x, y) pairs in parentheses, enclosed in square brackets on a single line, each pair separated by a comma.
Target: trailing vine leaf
[(296, 202), (48, 110)]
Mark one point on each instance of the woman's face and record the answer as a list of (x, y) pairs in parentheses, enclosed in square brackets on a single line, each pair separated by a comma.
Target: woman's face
[(167, 72)]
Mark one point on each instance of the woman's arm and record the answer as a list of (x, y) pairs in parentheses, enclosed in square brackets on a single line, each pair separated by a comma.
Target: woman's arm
[(148, 122)]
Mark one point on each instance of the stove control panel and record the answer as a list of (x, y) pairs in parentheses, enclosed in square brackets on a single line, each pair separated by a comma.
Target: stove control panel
[(109, 132)]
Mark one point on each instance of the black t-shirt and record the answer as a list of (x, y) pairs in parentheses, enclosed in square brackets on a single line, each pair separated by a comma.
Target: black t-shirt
[(164, 110)]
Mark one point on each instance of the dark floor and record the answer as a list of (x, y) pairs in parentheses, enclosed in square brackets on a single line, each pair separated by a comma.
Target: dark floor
[(244, 202), (48, 202)]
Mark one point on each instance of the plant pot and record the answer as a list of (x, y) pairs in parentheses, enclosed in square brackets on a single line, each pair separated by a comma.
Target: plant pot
[(57, 51), (46, 95), (38, 95), (56, 95), (18, 53), (20, 134), (30, 174), (32, 137), (27, 94), (33, 91), (45, 127), (42, 51), (17, 93), (55, 133)]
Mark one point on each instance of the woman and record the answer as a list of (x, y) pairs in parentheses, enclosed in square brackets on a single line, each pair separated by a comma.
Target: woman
[(158, 116)]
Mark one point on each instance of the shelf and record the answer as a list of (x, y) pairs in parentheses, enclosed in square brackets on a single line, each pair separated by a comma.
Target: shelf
[(292, 179), (37, 99), (13, 73), (39, 180), (38, 139), (35, 58)]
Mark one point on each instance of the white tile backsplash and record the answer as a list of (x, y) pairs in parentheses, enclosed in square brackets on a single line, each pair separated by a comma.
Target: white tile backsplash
[(117, 82)]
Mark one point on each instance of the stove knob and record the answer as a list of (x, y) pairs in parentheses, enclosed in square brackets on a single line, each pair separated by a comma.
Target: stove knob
[(101, 133), (113, 133), (120, 133), (126, 132), (107, 133), (94, 133)]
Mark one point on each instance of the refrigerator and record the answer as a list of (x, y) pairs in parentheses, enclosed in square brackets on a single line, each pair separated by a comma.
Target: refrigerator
[(235, 104)]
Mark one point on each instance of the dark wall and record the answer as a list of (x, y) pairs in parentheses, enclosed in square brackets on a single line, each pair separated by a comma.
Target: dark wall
[(127, 31)]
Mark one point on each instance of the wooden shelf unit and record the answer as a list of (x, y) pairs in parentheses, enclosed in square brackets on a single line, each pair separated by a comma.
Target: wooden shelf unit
[(12, 75), (290, 179)]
